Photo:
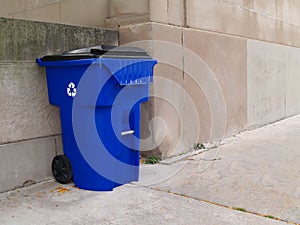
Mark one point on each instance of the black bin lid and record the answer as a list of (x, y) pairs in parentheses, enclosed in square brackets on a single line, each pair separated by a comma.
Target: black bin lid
[(102, 51)]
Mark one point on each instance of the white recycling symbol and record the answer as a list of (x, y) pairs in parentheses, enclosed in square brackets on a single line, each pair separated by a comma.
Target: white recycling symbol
[(71, 90)]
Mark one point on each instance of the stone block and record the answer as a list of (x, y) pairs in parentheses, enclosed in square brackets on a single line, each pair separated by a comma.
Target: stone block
[(168, 48), (121, 7), (163, 115), (249, 4), (159, 11), (22, 40), (121, 21), (9, 8), (29, 4), (168, 110), (134, 33), (26, 161), (168, 12), (90, 13), (177, 12), (197, 120), (204, 14), (292, 80), (273, 82), (220, 72), (25, 112), (170, 84), (267, 66), (45, 13), (161, 41), (267, 7), (288, 11)]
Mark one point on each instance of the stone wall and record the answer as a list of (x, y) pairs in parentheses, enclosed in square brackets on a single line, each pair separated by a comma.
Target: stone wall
[(30, 127), (246, 74), (251, 48), (92, 13), (267, 20)]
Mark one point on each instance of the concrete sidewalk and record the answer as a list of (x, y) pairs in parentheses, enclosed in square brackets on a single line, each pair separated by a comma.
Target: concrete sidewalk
[(254, 179)]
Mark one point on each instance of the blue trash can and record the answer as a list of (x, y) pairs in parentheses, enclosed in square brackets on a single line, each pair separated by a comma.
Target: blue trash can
[(99, 91)]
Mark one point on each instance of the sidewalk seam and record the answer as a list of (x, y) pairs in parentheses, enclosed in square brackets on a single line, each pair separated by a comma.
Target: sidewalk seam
[(224, 206)]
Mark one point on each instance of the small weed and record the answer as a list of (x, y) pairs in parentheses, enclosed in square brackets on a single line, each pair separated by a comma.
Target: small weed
[(270, 217), (266, 216), (240, 209), (153, 160), (198, 146)]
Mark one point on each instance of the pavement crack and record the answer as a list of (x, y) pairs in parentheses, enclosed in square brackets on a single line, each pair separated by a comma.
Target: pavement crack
[(224, 206), (206, 160)]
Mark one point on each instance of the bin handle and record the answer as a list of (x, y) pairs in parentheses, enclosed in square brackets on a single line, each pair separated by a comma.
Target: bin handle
[(124, 133)]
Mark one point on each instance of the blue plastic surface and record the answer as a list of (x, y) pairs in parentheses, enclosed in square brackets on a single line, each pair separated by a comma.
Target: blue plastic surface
[(135, 73)]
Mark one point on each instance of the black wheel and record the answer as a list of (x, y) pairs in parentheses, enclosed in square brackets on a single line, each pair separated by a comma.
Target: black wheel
[(62, 169)]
